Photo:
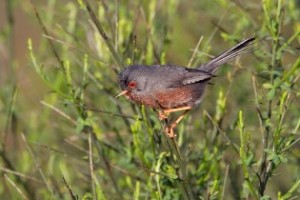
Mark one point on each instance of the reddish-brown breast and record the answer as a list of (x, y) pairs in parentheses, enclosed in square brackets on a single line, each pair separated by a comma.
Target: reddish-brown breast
[(169, 97), (175, 97)]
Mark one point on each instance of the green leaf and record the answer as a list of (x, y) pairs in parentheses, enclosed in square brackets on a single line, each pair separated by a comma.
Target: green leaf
[(271, 94), (267, 85)]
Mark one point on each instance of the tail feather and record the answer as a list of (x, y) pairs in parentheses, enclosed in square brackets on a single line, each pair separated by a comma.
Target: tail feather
[(235, 51)]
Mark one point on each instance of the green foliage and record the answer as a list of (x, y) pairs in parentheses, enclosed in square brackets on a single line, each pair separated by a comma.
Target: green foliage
[(65, 136)]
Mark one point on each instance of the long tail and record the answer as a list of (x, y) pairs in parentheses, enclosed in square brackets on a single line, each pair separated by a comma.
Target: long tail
[(215, 63)]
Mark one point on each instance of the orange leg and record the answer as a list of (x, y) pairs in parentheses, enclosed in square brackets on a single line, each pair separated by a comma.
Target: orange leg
[(170, 128), (163, 114)]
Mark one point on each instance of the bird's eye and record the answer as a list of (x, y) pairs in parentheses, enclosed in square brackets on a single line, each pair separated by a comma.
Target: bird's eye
[(131, 84)]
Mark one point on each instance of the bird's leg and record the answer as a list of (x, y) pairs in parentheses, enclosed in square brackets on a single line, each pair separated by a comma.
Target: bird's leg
[(163, 114), (170, 128)]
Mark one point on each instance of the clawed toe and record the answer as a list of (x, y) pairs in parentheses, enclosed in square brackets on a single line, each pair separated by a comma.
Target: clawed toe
[(169, 130)]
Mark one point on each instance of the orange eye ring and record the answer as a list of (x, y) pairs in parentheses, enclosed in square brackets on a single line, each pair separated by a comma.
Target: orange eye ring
[(132, 84)]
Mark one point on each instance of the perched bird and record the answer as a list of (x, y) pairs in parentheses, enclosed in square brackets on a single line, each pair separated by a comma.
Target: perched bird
[(172, 88)]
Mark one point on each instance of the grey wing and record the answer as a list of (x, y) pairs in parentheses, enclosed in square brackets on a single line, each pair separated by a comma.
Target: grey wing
[(195, 75), (186, 76)]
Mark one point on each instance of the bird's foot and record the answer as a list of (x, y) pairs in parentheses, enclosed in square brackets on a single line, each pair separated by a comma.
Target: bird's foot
[(169, 130)]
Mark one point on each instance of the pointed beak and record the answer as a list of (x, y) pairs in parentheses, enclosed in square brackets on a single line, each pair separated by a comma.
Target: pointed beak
[(122, 93)]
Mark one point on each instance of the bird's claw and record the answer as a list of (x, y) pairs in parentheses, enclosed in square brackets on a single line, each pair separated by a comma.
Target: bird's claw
[(169, 130)]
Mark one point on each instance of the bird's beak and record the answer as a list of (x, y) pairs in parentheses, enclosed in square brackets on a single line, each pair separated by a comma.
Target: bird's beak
[(122, 93)]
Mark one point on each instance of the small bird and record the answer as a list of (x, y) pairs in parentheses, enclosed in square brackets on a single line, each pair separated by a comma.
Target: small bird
[(170, 88)]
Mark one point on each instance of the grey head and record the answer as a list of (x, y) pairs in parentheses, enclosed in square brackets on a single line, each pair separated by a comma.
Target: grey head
[(134, 78)]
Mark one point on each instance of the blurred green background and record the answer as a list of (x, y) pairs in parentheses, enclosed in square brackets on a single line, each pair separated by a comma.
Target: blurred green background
[(65, 136)]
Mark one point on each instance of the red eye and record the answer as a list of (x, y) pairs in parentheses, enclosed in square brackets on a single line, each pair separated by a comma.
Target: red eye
[(132, 84)]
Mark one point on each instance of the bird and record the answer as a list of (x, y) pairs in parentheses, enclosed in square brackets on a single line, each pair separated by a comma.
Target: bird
[(169, 88)]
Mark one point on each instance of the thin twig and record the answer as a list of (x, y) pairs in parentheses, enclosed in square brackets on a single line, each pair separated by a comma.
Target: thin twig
[(21, 175), (16, 187), (73, 196), (11, 36), (103, 34), (36, 163), (225, 181), (235, 146), (182, 182), (59, 112), (108, 112), (257, 104), (80, 50), (91, 165), (266, 166), (195, 52), (89, 130), (46, 32)]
